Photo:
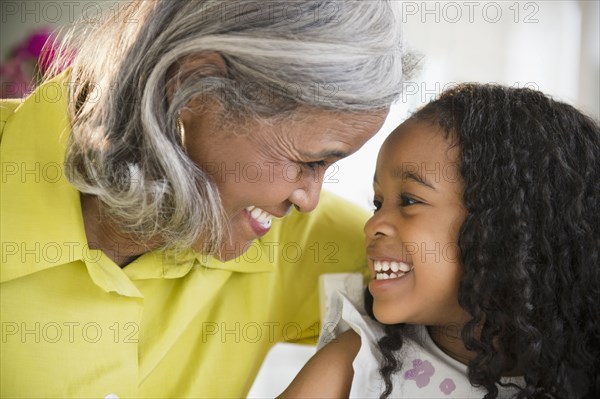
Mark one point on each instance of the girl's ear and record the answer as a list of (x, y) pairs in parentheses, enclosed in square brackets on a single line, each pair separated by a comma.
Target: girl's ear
[(208, 63)]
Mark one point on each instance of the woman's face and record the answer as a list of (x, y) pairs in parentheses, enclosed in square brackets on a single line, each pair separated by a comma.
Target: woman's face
[(412, 237), (264, 168)]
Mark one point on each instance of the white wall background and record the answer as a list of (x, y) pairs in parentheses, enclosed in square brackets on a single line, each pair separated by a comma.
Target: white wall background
[(550, 45)]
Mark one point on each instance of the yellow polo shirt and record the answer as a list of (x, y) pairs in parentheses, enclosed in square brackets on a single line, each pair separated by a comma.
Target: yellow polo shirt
[(74, 324)]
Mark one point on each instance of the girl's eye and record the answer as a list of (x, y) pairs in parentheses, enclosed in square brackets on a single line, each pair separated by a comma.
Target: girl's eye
[(403, 201), (406, 200), (376, 205)]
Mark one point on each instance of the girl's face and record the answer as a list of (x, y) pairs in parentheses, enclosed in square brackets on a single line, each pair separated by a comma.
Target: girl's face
[(412, 237)]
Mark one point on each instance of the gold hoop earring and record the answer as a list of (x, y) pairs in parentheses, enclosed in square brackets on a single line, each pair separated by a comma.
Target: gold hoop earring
[(181, 128)]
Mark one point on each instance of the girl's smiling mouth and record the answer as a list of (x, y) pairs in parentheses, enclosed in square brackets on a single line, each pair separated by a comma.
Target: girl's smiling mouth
[(386, 270)]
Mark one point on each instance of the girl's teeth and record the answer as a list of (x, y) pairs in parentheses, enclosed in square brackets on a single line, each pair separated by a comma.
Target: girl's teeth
[(385, 276), (398, 269), (404, 267)]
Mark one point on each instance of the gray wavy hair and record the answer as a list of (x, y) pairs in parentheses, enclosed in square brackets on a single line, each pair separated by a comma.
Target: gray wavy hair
[(125, 147)]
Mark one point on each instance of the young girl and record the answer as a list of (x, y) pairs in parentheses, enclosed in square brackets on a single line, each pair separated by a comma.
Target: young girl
[(483, 252)]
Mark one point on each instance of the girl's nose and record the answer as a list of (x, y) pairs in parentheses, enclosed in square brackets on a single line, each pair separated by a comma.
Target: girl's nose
[(379, 225)]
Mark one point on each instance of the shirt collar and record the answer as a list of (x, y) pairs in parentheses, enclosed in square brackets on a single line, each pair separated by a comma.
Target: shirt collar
[(259, 258), (42, 225), (262, 255)]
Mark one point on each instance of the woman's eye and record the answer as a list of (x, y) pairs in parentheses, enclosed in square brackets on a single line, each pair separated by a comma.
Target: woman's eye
[(406, 200), (315, 165)]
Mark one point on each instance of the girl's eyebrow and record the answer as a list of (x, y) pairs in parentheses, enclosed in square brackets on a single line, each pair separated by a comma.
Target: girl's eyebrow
[(401, 173)]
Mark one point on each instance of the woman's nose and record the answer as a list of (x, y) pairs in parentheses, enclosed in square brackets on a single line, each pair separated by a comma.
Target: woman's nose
[(306, 196)]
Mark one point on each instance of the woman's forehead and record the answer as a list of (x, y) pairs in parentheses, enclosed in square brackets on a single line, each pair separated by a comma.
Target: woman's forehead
[(323, 126)]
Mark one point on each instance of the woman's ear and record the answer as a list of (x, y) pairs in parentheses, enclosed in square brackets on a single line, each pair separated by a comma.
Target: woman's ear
[(208, 63)]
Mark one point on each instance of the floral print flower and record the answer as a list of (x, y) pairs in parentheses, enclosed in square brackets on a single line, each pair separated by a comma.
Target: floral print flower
[(447, 386), (421, 372)]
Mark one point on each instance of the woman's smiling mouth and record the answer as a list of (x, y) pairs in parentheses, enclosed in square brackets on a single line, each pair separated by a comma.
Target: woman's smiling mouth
[(260, 220)]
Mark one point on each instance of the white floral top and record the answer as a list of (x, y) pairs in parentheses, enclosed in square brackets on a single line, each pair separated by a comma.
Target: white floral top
[(426, 371)]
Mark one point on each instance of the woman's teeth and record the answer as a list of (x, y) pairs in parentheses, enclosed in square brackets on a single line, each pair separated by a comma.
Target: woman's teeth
[(262, 217), (385, 270)]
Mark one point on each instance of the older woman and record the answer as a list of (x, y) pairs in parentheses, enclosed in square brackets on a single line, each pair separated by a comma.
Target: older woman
[(136, 183)]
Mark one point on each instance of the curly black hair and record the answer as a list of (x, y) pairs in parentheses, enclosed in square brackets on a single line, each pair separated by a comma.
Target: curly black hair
[(530, 241)]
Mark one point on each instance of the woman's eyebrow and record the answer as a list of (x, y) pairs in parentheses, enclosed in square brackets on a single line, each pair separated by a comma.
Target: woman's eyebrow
[(401, 173)]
